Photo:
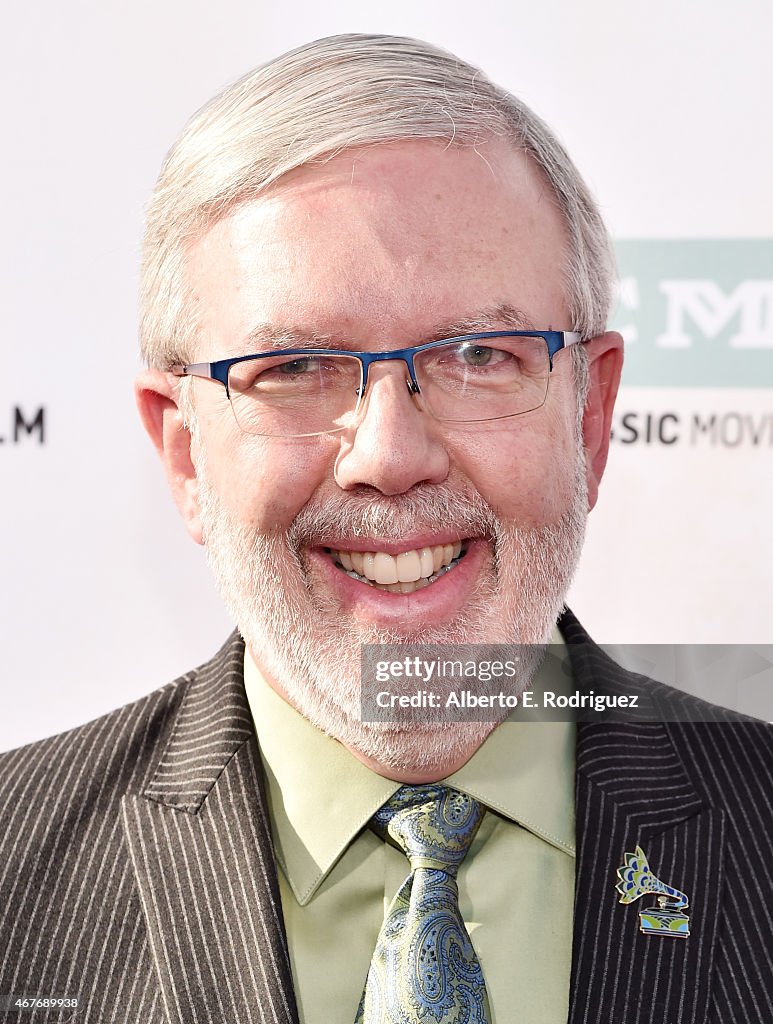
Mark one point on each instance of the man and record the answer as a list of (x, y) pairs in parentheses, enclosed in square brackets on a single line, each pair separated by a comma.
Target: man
[(362, 263)]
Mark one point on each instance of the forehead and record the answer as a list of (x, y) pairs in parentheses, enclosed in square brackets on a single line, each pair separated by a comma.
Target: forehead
[(382, 244)]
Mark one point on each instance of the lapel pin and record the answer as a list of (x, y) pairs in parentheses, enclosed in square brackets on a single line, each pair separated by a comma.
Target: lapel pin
[(667, 917)]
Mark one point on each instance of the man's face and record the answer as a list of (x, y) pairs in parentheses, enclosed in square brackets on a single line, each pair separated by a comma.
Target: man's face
[(379, 249)]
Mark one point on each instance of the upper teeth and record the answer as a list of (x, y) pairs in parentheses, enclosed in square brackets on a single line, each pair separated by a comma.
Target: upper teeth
[(407, 567)]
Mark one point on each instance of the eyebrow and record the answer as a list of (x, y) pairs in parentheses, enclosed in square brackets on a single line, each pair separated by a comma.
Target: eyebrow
[(504, 315), (267, 337)]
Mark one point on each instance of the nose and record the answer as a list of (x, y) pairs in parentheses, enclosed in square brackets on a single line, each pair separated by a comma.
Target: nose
[(393, 445)]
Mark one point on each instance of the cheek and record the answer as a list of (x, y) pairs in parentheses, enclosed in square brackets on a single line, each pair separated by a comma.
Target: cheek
[(265, 481), (526, 475)]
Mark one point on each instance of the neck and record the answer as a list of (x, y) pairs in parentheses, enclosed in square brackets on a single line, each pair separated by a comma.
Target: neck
[(418, 773)]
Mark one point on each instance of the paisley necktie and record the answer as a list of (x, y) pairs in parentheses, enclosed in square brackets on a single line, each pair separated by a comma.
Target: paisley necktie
[(424, 968)]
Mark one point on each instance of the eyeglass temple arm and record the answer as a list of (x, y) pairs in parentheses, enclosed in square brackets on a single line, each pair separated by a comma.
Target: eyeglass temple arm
[(561, 339), (191, 369), (209, 371)]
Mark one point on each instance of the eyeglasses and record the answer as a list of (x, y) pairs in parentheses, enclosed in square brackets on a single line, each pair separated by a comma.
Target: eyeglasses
[(303, 392)]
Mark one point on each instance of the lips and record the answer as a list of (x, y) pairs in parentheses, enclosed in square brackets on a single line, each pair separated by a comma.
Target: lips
[(402, 573)]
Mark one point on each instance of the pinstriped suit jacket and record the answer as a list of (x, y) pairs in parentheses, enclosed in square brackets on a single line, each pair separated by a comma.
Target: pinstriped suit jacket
[(136, 866)]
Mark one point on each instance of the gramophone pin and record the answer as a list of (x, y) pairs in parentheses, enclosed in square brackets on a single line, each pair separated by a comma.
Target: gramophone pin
[(668, 917)]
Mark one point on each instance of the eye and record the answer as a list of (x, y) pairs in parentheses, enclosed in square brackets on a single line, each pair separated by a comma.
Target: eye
[(297, 366), (482, 355), (477, 355), (266, 375)]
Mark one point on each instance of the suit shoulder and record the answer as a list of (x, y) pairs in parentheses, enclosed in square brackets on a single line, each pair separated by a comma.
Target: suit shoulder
[(686, 714), (85, 770), (113, 752), (729, 755), (687, 707)]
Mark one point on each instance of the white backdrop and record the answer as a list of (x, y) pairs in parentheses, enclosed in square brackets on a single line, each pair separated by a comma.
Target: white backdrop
[(664, 106)]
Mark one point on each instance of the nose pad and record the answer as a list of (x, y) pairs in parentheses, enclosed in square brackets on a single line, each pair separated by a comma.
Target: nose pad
[(363, 394), (410, 382)]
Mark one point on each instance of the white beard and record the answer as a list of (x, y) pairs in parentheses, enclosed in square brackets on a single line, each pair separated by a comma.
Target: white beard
[(311, 653)]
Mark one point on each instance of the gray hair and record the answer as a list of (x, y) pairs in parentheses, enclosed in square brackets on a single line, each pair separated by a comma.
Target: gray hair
[(310, 104)]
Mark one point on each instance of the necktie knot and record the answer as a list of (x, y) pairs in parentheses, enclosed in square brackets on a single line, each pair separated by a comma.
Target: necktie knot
[(433, 825)]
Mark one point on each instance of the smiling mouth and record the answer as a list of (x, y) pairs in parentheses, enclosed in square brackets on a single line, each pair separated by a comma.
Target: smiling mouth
[(399, 574)]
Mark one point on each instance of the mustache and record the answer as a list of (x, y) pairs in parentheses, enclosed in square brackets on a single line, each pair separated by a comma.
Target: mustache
[(363, 515)]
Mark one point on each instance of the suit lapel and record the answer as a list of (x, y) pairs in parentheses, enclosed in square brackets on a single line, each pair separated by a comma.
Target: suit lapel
[(633, 789), (200, 845)]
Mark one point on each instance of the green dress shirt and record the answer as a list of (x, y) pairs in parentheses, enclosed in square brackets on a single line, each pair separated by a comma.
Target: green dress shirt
[(337, 878)]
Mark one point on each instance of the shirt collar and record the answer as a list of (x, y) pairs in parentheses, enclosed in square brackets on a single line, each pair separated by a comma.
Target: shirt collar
[(320, 796)]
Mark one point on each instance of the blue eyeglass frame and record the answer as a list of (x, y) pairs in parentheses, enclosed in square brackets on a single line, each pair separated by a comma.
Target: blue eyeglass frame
[(219, 369)]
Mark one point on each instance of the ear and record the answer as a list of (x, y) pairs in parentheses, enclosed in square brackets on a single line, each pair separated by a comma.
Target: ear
[(157, 395), (606, 364)]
